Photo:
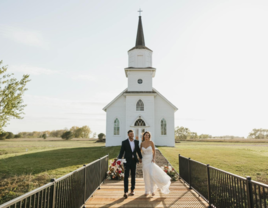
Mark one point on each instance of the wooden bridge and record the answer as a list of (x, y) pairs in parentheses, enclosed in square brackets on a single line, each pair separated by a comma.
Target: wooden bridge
[(111, 193)]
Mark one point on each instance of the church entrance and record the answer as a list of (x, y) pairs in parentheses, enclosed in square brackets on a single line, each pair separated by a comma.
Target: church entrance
[(139, 129), (138, 133)]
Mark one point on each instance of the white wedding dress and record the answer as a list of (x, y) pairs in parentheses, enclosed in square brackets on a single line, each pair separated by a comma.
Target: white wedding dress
[(154, 177)]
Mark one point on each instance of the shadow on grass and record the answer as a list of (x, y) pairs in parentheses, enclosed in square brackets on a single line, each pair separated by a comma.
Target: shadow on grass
[(34, 163)]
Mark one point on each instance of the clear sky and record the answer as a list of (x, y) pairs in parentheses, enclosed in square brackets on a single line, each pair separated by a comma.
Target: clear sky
[(210, 56)]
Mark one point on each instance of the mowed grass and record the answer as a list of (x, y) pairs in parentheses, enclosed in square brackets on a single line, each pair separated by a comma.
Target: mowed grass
[(244, 159), (26, 165)]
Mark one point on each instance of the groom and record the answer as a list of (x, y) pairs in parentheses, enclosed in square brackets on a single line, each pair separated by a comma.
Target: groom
[(130, 147)]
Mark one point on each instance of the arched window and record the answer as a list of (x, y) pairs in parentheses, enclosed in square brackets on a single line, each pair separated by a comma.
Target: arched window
[(140, 106), (139, 122), (163, 127), (116, 127)]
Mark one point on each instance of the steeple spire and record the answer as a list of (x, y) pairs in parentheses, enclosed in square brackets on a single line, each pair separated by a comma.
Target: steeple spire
[(140, 43), (140, 37)]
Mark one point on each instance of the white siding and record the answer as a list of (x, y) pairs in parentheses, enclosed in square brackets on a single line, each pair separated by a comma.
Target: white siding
[(116, 110), (164, 110), (140, 58), (147, 81)]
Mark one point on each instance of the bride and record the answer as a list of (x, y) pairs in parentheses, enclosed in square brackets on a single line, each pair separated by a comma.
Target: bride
[(154, 177)]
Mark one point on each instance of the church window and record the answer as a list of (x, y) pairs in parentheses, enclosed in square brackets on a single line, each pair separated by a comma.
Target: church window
[(140, 81), (116, 127), (140, 122), (140, 106), (163, 127)]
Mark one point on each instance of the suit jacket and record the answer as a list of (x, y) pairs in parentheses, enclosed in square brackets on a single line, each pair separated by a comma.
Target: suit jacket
[(127, 151)]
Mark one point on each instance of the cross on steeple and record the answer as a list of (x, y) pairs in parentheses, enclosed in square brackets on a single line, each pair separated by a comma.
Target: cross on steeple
[(140, 11)]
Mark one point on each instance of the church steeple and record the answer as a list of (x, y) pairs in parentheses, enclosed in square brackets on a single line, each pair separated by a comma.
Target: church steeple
[(140, 37), (140, 42), (140, 57)]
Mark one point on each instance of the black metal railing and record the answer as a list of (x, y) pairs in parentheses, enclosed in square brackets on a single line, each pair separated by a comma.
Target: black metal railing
[(222, 189), (71, 190)]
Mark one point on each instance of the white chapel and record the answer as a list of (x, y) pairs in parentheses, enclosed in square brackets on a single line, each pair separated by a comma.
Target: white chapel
[(140, 107)]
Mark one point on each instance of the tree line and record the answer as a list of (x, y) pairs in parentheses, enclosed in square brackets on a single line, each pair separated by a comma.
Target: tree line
[(183, 133), (258, 134), (73, 132)]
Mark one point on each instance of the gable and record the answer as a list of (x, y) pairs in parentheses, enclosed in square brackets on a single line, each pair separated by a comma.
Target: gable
[(166, 100), (115, 99)]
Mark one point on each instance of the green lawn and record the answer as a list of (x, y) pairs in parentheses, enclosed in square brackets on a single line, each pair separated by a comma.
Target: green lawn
[(22, 171), (244, 159), (28, 164)]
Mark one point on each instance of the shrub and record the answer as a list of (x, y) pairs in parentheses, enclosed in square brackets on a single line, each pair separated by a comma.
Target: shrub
[(10, 135), (17, 136), (3, 135), (67, 135), (101, 135)]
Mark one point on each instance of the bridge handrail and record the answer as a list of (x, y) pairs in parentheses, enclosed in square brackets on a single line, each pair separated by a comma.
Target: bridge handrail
[(70, 190), (221, 188)]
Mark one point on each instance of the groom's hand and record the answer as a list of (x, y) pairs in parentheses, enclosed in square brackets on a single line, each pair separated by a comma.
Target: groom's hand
[(140, 160)]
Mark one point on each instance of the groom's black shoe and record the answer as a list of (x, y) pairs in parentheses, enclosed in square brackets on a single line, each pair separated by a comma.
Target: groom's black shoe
[(125, 195), (132, 193)]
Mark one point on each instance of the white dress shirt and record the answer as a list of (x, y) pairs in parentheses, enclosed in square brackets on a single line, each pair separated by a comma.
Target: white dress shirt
[(132, 144)]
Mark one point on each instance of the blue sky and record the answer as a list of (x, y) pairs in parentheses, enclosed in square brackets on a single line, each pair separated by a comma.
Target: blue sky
[(210, 56)]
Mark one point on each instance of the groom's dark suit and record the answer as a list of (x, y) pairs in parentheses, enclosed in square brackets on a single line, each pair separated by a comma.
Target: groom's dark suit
[(131, 158)]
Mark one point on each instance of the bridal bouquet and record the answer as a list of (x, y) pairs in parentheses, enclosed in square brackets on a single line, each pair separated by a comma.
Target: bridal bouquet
[(171, 172), (116, 170)]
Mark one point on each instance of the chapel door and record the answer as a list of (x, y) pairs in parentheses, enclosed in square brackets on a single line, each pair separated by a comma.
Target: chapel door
[(141, 134), (136, 134)]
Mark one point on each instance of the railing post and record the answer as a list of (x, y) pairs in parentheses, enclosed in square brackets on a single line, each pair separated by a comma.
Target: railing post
[(249, 192), (85, 178), (100, 173), (179, 166), (189, 171), (54, 192), (209, 191), (107, 166)]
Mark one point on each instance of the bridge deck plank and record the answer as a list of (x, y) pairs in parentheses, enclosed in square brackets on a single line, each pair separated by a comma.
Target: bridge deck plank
[(111, 195)]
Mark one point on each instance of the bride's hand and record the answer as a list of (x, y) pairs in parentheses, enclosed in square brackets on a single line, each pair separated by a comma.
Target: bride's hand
[(153, 160)]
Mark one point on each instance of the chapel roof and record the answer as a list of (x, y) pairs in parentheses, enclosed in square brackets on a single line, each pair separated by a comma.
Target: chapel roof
[(149, 92)]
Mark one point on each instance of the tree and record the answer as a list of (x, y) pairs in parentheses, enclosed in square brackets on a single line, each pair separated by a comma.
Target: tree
[(258, 134), (100, 136), (204, 136), (11, 91), (94, 135), (17, 136), (182, 133), (86, 131), (78, 133), (10, 135), (73, 129), (192, 135), (3, 135), (44, 136), (67, 135)]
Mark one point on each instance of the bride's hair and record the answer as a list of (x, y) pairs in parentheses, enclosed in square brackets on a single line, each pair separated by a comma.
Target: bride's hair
[(143, 139)]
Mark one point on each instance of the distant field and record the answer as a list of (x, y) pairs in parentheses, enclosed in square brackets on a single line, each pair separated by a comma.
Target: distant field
[(26, 164), (244, 159)]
